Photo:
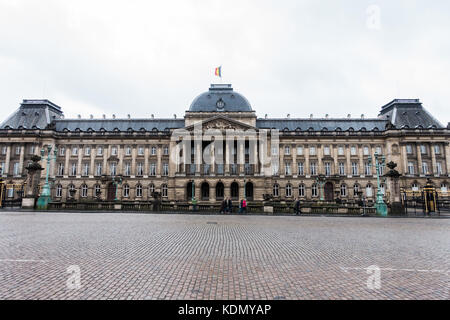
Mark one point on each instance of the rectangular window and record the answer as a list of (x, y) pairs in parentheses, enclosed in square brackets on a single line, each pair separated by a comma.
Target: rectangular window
[(4, 148), (274, 151), (153, 169), (423, 149), (366, 151), (312, 151), (16, 168), (85, 169), (87, 151), (32, 149), (326, 151), (287, 169), (153, 151), (165, 169), (113, 168), (340, 151), (327, 168), (367, 169), (98, 169), (275, 168), (140, 169), (354, 168), (128, 151), (410, 168), (379, 150), (60, 169), (18, 150), (342, 168), (74, 151), (114, 151), (73, 169), (437, 149), (313, 168), (62, 151), (409, 149), (424, 168), (127, 169), (301, 170), (166, 151), (100, 151), (353, 151), (2, 168), (140, 151), (300, 151), (439, 168), (287, 150)]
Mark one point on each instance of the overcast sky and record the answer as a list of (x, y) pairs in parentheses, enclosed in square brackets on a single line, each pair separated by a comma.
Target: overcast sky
[(155, 57)]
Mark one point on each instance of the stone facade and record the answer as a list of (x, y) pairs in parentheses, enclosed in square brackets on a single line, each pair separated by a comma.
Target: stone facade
[(93, 152)]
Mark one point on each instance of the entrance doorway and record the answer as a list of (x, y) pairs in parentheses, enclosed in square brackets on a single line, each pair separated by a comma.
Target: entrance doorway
[(249, 191), (205, 191), (235, 191), (329, 192), (111, 196)]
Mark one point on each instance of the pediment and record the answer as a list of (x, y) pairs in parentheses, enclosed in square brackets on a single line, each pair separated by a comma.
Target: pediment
[(221, 123)]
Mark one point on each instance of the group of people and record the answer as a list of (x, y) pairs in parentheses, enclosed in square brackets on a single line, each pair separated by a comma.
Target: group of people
[(227, 206)]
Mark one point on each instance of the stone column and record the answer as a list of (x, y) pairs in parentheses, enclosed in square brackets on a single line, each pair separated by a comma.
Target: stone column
[(106, 152), (404, 160), (173, 167), (348, 160), (21, 158), (133, 160), (198, 157), (7, 161), (306, 168), (92, 165), (146, 165), (241, 157), (335, 156), (419, 160), (447, 158), (79, 168), (120, 153), (294, 161), (227, 157), (159, 166), (320, 168), (281, 157), (213, 159), (361, 160), (433, 160), (67, 162)]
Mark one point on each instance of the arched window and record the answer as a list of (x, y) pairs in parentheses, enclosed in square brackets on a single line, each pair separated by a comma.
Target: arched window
[(84, 191), (71, 189), (126, 190), (288, 190), (234, 191), (369, 190), (301, 190), (164, 191), (355, 189), (343, 190), (97, 190), (139, 191), (58, 191), (314, 190), (205, 191), (415, 187), (276, 190), (220, 189), (151, 189)]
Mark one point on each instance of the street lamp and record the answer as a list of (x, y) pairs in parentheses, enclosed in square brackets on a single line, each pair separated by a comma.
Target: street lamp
[(380, 205), (45, 196)]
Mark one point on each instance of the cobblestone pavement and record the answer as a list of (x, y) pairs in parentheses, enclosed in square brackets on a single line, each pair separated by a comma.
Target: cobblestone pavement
[(140, 256)]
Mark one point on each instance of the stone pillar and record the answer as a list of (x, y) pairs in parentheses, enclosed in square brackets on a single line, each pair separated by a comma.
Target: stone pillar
[(146, 165), (404, 160), (92, 165), (21, 158), (173, 166), (433, 160), (227, 157), (306, 168), (120, 154), (348, 160), (67, 162), (106, 152), (213, 159), (133, 160), (7, 161), (320, 169), (335, 156), (281, 157), (419, 160), (294, 161), (198, 157), (361, 160), (447, 158), (79, 168), (241, 157)]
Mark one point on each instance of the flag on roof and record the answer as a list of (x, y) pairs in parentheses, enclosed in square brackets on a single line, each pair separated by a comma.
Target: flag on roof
[(218, 72)]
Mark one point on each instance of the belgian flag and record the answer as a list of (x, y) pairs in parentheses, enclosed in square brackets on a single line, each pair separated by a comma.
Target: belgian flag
[(218, 72)]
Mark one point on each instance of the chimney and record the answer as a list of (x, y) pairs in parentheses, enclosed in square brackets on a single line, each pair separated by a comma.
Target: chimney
[(174, 116), (79, 116), (91, 117), (311, 116), (265, 117), (128, 116), (113, 116), (327, 116), (349, 116), (362, 116), (288, 116), (153, 116)]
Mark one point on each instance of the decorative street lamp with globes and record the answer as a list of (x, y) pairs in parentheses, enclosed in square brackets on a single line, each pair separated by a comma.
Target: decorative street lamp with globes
[(45, 196)]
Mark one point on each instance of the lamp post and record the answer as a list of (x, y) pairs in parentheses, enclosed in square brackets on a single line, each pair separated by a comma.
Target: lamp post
[(192, 189), (116, 181), (380, 205), (45, 196)]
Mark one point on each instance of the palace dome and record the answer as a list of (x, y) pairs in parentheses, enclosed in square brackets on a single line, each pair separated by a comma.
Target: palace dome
[(220, 98)]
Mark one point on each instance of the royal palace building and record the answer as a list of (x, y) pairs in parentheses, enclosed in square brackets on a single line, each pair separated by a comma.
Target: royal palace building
[(130, 159)]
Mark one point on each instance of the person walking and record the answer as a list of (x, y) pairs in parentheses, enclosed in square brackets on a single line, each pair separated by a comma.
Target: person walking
[(223, 206), (297, 206), (240, 206), (229, 206), (194, 204), (244, 206)]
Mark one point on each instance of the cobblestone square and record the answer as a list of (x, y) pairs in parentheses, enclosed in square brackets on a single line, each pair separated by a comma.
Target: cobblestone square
[(147, 256)]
